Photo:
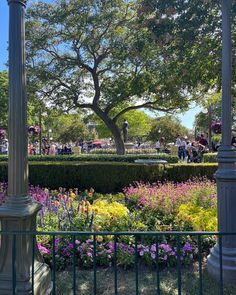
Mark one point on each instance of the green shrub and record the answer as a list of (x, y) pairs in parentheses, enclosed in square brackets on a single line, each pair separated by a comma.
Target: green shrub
[(128, 151), (209, 157), (192, 217), (183, 172), (100, 158), (107, 177)]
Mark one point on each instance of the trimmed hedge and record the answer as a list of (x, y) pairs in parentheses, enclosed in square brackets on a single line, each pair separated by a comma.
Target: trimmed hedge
[(102, 158), (209, 158), (107, 176), (183, 172), (128, 151), (103, 177)]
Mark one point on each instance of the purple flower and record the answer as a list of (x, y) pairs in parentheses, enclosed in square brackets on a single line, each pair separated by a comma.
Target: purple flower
[(153, 248), (43, 250), (187, 247), (70, 246)]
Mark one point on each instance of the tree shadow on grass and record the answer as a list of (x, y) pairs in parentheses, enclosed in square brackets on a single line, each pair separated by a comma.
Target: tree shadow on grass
[(147, 282)]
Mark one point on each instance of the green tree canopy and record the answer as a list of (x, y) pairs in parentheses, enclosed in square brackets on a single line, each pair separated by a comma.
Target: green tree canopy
[(192, 30), (168, 127), (71, 128), (212, 113), (139, 125), (97, 55)]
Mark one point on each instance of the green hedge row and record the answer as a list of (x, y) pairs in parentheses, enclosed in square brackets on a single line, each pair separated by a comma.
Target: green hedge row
[(128, 151), (107, 176), (102, 158), (209, 157), (183, 172)]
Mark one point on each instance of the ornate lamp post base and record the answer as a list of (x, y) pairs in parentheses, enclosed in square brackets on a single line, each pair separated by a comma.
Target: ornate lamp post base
[(21, 252), (228, 264), (226, 192)]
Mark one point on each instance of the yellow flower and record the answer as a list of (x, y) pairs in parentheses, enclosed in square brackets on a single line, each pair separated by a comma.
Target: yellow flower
[(72, 195), (99, 239), (96, 227)]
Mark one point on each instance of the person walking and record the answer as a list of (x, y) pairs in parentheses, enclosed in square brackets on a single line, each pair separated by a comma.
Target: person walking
[(182, 149), (178, 144)]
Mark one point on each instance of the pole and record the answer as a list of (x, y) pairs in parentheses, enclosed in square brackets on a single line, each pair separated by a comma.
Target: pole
[(226, 173), (20, 271), (40, 133), (17, 122)]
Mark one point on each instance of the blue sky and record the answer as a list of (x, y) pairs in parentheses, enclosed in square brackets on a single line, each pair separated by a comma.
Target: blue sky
[(187, 118)]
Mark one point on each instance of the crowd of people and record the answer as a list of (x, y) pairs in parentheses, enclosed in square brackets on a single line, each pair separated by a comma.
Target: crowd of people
[(49, 148), (192, 151), (187, 150)]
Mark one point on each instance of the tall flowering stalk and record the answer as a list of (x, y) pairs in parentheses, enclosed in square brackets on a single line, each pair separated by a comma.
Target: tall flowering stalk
[(167, 197)]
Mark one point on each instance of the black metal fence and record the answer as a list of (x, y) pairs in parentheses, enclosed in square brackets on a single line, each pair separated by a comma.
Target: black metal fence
[(197, 263)]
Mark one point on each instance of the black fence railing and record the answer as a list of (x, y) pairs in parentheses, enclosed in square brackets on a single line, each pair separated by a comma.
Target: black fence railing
[(158, 262)]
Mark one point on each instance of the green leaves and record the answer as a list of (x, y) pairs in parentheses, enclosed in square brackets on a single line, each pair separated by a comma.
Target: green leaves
[(167, 127), (3, 98)]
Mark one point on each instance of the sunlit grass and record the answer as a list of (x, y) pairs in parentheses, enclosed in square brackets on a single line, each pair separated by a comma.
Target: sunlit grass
[(147, 282)]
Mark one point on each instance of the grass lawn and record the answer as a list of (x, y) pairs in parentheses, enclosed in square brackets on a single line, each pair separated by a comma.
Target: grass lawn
[(147, 282)]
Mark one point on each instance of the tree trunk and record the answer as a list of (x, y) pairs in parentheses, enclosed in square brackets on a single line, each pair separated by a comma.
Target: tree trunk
[(120, 147), (112, 126)]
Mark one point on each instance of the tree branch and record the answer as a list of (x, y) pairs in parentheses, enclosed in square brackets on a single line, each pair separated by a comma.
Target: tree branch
[(148, 105)]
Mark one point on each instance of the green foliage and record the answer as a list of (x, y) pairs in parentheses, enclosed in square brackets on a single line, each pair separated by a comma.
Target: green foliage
[(139, 125), (142, 151), (98, 158), (192, 31), (107, 176), (209, 157), (167, 127), (99, 50), (163, 206), (183, 172), (192, 217), (71, 128), (103, 177), (200, 213), (212, 104), (3, 98)]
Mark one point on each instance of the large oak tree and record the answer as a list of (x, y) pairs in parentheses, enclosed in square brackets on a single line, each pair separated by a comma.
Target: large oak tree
[(98, 55)]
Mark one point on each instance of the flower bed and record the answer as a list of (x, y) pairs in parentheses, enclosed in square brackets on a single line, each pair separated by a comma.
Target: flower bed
[(141, 207)]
